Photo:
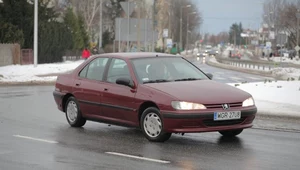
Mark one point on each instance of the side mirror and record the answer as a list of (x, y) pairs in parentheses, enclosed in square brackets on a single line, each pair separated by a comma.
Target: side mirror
[(209, 75), (125, 81)]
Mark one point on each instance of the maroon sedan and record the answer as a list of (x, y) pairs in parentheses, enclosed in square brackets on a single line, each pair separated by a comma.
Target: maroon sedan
[(159, 93)]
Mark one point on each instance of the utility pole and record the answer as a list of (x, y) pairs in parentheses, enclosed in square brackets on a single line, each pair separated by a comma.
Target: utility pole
[(297, 45), (100, 26), (139, 28), (119, 48), (153, 24), (181, 8), (145, 29), (128, 20), (35, 33), (187, 30)]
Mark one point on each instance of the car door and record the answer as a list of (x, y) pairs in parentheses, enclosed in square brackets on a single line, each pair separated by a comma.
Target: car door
[(88, 87), (118, 100)]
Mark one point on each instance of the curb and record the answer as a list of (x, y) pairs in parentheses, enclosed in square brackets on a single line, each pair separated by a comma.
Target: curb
[(27, 83), (255, 72), (269, 115)]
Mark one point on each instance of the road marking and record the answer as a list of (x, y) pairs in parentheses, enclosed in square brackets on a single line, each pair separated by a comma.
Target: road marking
[(219, 73), (219, 78), (236, 78), (36, 139), (138, 157), (254, 78)]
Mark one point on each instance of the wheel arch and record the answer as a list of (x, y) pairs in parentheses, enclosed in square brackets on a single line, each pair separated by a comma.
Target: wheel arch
[(144, 106), (65, 99)]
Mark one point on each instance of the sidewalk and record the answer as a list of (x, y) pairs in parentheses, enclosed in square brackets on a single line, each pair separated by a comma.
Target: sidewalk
[(28, 74), (275, 99)]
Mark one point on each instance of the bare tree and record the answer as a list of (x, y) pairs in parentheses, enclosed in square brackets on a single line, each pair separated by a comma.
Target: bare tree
[(88, 8), (195, 20), (280, 16)]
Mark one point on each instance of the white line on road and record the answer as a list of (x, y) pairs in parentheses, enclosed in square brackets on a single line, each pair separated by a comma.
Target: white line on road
[(236, 78), (36, 139), (138, 157), (219, 73), (219, 78), (255, 78)]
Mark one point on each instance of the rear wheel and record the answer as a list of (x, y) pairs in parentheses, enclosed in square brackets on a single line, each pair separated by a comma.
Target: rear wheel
[(152, 125), (231, 133), (73, 113)]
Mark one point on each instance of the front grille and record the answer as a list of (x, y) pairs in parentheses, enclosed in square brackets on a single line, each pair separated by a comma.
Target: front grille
[(211, 122), (219, 106)]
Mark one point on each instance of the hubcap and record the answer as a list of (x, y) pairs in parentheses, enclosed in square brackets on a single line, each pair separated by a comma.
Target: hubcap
[(72, 111), (152, 125)]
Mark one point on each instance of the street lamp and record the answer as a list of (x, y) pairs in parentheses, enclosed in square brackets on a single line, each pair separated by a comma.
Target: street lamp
[(297, 46), (35, 59), (187, 6), (187, 31)]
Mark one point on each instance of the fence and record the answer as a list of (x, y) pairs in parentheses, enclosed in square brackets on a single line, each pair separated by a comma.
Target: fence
[(9, 54), (26, 56)]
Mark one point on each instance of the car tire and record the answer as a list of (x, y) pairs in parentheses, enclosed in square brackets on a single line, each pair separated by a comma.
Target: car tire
[(73, 113), (152, 125), (231, 133)]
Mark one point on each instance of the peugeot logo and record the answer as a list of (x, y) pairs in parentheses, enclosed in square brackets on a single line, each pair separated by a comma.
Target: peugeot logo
[(225, 106)]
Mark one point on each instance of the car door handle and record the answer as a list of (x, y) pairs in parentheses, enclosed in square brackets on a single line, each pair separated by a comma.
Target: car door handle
[(105, 89), (77, 84)]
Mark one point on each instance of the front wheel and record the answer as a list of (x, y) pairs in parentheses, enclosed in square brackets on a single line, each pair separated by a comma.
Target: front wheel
[(73, 113), (231, 133), (152, 125)]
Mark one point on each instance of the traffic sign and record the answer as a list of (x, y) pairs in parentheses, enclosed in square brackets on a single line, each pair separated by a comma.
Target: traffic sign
[(297, 48), (128, 7)]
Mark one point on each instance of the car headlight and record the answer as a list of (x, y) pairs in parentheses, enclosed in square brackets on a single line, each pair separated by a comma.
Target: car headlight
[(248, 102), (187, 105)]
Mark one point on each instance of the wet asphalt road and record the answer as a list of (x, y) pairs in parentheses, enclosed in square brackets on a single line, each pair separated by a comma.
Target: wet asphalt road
[(228, 76), (35, 135)]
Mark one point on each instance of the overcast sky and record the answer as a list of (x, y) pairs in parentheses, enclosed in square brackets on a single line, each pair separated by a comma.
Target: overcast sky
[(219, 15)]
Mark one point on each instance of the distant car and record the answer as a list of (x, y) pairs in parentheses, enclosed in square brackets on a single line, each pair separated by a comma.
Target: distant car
[(235, 54), (159, 93), (214, 52)]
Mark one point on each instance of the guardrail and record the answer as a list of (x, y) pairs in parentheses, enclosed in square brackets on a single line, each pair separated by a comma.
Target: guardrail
[(262, 65)]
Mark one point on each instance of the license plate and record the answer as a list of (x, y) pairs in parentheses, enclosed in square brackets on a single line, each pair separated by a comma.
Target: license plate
[(231, 115)]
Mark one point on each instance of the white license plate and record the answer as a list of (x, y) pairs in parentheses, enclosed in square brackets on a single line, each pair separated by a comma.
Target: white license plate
[(231, 115)]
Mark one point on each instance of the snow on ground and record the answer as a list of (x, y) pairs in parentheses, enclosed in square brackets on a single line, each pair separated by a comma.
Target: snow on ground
[(25, 73), (280, 97), (287, 72)]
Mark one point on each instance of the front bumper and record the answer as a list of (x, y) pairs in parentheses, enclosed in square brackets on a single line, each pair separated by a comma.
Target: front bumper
[(204, 122)]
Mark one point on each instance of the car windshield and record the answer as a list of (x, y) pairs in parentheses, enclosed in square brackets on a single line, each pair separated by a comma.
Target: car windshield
[(158, 70)]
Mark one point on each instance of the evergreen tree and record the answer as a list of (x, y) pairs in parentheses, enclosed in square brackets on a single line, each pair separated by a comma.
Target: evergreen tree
[(10, 33)]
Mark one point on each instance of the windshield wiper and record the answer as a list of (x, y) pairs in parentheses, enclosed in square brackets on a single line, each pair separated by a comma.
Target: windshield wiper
[(187, 79), (157, 81)]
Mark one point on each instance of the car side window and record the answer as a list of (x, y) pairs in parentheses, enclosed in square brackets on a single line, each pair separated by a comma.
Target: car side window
[(117, 69), (96, 69), (83, 72)]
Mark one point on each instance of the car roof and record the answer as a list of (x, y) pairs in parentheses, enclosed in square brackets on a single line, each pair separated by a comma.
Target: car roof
[(133, 55)]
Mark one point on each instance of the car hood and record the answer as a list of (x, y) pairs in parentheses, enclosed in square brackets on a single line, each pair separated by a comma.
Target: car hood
[(202, 91)]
